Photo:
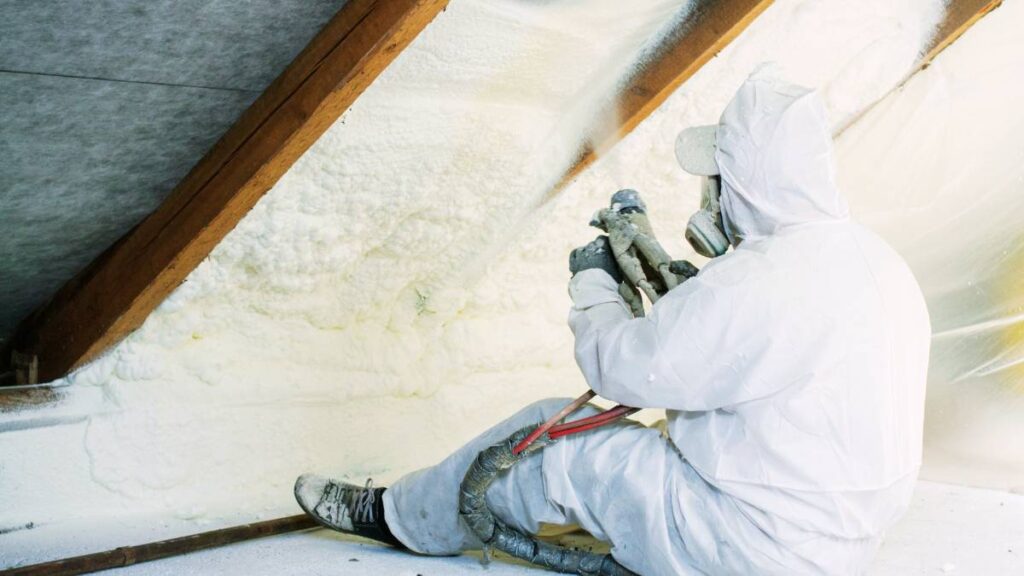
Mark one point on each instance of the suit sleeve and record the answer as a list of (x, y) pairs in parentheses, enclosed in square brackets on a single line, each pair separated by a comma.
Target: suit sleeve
[(700, 347)]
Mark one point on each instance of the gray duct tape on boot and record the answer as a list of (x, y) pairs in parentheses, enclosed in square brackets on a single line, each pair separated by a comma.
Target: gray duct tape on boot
[(493, 532)]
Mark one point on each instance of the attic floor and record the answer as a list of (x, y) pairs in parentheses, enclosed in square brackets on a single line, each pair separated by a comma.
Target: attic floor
[(949, 530)]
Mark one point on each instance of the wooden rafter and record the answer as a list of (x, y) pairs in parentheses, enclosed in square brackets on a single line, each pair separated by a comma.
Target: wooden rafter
[(714, 24), (118, 290), (960, 15)]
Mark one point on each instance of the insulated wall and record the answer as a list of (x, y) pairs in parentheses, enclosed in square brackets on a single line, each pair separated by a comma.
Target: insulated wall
[(404, 285), (342, 326)]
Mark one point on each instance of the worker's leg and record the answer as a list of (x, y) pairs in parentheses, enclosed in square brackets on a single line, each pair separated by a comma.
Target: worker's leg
[(422, 508), (621, 483)]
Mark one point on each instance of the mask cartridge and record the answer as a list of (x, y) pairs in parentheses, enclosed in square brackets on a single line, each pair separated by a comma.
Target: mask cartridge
[(705, 231)]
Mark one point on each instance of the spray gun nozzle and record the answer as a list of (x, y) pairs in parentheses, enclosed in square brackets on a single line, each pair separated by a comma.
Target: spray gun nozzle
[(627, 201)]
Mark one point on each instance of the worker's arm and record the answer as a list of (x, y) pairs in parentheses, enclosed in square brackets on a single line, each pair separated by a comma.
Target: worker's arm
[(695, 350), (612, 348)]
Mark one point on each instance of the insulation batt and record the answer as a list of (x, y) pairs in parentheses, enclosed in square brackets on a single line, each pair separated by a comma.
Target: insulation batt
[(403, 286)]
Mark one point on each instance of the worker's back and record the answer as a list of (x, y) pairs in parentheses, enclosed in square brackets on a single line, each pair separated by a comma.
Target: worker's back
[(829, 435), (793, 368), (823, 323)]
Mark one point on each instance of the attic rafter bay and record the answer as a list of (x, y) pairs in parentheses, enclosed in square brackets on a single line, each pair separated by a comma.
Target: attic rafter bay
[(715, 25), (117, 291)]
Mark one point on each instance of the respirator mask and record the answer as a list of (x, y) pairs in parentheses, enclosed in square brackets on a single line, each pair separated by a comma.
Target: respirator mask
[(705, 231), (695, 151)]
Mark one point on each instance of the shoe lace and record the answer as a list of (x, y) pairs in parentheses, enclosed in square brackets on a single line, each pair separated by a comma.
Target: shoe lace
[(361, 503)]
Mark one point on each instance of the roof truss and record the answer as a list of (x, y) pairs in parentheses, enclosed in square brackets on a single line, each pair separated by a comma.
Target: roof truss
[(714, 24)]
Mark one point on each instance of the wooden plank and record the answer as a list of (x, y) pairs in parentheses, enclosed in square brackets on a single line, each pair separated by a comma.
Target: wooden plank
[(960, 15), (130, 555), (116, 293), (18, 399), (713, 25)]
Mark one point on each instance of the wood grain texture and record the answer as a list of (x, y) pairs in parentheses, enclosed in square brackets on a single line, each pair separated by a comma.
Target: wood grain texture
[(118, 290), (713, 25)]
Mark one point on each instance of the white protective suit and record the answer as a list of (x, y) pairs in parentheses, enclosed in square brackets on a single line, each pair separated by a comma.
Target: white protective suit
[(792, 368)]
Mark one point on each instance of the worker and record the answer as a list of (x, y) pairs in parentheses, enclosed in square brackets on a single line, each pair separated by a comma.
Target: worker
[(792, 370)]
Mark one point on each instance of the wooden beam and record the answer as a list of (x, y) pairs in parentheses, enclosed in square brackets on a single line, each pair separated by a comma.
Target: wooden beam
[(712, 26), (715, 24), (960, 15), (18, 399), (131, 555), (116, 293)]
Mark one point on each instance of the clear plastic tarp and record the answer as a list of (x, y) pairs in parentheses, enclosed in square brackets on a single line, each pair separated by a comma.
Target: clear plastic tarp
[(938, 169)]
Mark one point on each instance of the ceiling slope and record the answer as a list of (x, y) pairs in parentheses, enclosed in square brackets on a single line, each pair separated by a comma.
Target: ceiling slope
[(98, 308), (116, 292), (714, 24), (104, 108)]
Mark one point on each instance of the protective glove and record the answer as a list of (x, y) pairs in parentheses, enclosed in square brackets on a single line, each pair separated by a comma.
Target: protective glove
[(597, 254)]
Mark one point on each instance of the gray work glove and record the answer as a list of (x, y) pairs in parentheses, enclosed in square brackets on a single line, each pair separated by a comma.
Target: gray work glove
[(597, 254)]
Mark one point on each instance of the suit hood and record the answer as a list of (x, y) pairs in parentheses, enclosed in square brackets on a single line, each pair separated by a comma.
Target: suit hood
[(774, 152)]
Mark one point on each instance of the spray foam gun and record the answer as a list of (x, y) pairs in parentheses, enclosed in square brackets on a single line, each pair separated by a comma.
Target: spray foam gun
[(644, 263), (647, 270)]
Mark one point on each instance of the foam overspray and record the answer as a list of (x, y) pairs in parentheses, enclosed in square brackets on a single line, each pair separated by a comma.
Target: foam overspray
[(586, 117)]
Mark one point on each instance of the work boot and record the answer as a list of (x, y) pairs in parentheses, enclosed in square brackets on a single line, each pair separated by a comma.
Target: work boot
[(345, 507)]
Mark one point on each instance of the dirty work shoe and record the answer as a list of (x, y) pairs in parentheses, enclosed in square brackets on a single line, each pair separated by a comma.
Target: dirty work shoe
[(345, 507)]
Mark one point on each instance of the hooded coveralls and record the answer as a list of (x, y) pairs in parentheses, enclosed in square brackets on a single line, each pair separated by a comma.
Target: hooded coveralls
[(792, 370)]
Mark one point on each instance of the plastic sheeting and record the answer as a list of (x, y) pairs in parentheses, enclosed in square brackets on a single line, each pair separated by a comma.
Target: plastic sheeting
[(938, 169)]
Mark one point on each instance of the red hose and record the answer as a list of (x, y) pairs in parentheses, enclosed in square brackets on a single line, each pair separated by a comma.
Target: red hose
[(569, 409), (596, 421), (606, 415), (583, 424)]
